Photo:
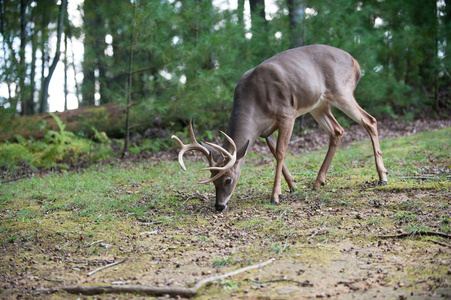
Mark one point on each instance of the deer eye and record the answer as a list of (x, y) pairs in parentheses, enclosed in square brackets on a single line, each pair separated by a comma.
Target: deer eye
[(228, 181)]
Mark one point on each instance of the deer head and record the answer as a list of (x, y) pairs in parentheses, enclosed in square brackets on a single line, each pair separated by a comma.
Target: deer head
[(225, 166)]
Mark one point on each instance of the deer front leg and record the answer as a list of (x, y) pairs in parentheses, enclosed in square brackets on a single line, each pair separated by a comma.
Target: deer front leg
[(286, 173), (285, 130)]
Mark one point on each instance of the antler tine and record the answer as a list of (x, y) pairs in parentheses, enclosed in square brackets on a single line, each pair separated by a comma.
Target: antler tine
[(230, 163), (194, 145)]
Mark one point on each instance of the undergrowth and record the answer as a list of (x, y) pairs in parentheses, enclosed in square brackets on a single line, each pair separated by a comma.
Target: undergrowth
[(63, 149)]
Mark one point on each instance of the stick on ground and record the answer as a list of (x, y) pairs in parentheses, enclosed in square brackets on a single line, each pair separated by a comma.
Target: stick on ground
[(104, 267), (406, 234), (149, 290)]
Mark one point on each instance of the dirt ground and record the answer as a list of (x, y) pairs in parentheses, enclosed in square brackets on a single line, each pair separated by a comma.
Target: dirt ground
[(321, 251), (322, 248)]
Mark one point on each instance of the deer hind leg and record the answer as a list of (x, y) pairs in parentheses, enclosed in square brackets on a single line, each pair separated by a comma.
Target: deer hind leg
[(286, 173), (285, 130), (323, 115), (358, 114)]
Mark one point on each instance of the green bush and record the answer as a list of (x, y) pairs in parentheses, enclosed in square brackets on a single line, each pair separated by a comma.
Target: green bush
[(13, 156), (57, 149)]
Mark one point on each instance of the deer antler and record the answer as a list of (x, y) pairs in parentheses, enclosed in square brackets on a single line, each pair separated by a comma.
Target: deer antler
[(230, 163), (193, 146), (196, 146)]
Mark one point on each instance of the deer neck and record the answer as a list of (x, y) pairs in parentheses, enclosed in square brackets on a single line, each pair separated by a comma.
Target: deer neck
[(241, 129)]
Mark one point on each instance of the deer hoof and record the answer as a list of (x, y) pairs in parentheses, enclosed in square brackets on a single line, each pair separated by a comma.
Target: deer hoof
[(382, 182), (275, 200)]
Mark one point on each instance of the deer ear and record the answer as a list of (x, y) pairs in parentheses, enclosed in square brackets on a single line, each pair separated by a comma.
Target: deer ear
[(215, 154), (242, 151)]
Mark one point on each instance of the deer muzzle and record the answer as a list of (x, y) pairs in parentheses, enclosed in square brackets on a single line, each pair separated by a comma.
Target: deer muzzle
[(220, 207)]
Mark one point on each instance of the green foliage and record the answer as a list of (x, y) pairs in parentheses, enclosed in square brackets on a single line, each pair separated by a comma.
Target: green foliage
[(13, 156), (57, 149), (184, 58)]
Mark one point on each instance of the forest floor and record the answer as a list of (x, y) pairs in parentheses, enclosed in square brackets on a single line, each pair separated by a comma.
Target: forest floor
[(352, 239)]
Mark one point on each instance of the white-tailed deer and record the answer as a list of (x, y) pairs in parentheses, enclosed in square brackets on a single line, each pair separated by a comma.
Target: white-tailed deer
[(270, 97)]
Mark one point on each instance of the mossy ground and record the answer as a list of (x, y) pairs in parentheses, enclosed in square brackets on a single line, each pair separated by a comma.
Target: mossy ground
[(56, 229)]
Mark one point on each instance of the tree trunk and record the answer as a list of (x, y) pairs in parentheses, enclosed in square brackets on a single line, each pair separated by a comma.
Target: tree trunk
[(257, 10), (240, 11), (46, 83), (65, 72), (88, 87), (129, 87), (34, 48), (23, 67), (296, 10), (77, 88)]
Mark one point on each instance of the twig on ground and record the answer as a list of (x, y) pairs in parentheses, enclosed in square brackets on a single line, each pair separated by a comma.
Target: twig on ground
[(149, 290), (316, 232), (51, 280), (217, 277), (424, 177), (104, 267), (149, 232), (213, 231), (406, 234), (99, 241), (439, 243), (202, 207), (195, 195), (300, 283)]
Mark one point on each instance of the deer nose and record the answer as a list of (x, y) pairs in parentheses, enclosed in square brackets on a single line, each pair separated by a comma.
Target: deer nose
[(220, 207)]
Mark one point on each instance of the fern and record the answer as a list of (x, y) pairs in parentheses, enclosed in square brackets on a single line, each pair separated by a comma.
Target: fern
[(59, 148)]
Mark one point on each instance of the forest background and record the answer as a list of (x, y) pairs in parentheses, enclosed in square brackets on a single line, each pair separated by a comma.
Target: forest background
[(150, 66)]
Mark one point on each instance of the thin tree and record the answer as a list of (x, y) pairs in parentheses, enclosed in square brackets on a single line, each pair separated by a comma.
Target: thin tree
[(296, 11), (23, 66), (129, 86), (45, 86)]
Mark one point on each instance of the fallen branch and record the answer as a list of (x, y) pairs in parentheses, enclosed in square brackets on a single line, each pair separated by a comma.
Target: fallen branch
[(104, 267), (303, 283), (149, 290), (439, 243), (406, 234)]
